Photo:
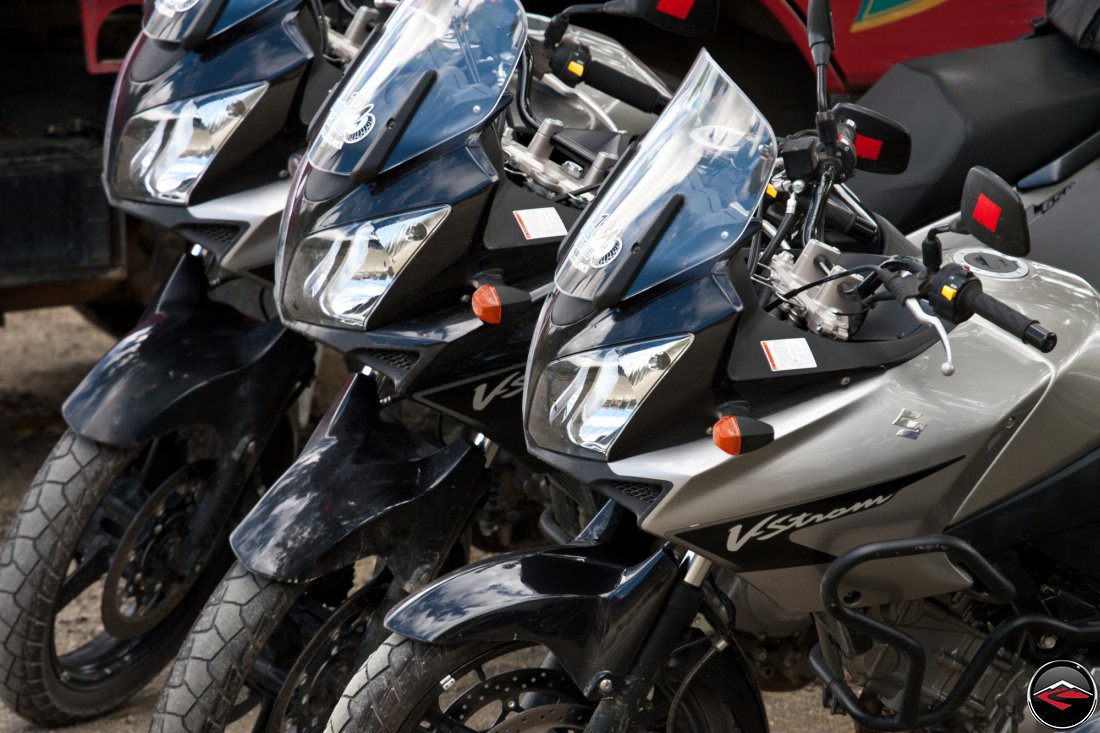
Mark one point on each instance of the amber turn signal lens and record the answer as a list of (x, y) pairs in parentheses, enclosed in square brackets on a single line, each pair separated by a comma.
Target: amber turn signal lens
[(486, 304), (727, 435)]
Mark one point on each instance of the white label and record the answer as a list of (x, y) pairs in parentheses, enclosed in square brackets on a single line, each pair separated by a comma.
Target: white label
[(540, 223), (786, 354)]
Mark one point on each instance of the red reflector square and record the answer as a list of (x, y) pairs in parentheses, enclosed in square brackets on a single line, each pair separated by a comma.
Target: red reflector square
[(678, 9), (987, 213), (868, 148)]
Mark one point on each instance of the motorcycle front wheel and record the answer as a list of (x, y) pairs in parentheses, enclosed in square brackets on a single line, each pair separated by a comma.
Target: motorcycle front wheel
[(270, 656), (411, 687), (90, 544)]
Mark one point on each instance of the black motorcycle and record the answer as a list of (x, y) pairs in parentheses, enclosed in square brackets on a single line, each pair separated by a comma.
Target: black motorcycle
[(421, 232), (179, 428)]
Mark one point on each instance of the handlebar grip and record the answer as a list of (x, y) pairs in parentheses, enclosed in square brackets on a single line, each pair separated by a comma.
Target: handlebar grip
[(1011, 320), (626, 88)]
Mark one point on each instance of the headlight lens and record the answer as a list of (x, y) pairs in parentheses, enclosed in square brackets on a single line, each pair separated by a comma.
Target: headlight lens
[(164, 151), (583, 402), (337, 276)]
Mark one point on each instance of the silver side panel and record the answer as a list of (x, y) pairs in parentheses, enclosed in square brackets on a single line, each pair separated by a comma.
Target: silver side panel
[(259, 210), (1012, 413)]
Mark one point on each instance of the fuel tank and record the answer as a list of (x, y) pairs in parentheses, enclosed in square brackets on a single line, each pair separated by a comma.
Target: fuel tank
[(902, 452)]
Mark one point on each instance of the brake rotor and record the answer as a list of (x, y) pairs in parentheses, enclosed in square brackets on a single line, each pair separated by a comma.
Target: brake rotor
[(320, 673), (141, 587), (547, 719), (511, 689)]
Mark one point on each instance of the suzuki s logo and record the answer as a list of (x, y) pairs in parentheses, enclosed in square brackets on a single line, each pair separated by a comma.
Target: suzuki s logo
[(1062, 695), (174, 7), (349, 122), (510, 386), (775, 525)]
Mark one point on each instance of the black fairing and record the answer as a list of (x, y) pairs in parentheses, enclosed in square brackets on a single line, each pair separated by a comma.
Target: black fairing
[(591, 602), (190, 361), (277, 46), (362, 487), (423, 334), (1012, 107)]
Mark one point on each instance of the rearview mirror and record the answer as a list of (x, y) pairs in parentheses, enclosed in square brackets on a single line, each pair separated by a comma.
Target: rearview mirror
[(882, 145), (693, 18), (993, 214), (819, 29)]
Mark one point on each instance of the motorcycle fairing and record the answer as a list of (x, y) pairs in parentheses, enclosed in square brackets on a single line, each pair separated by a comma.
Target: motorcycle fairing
[(362, 487), (189, 361)]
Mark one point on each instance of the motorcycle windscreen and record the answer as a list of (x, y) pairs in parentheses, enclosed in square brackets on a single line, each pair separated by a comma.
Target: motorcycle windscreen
[(711, 146), (168, 20), (472, 46)]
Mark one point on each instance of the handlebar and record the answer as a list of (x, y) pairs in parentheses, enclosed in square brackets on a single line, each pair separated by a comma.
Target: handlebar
[(572, 63), (1008, 318)]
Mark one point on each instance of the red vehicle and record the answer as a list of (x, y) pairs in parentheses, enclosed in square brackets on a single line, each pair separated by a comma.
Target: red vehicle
[(873, 35), (63, 245)]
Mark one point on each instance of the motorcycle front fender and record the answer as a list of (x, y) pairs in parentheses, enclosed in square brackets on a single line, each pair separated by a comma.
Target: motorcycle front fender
[(591, 602), (189, 361), (362, 487)]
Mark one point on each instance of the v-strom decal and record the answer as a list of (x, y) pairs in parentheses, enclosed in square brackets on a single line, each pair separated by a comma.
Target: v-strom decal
[(762, 542)]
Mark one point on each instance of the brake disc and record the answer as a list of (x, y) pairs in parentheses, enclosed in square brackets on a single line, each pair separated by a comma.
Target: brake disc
[(511, 690), (547, 719), (141, 588)]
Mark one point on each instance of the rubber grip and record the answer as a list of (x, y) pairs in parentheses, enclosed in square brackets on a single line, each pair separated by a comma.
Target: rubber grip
[(636, 93), (1011, 320)]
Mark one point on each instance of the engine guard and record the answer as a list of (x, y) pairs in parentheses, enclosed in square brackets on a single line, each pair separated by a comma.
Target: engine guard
[(189, 361), (591, 602), (362, 487)]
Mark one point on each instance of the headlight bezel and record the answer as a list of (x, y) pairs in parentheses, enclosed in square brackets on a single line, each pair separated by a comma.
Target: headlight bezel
[(224, 109), (328, 260), (586, 422)]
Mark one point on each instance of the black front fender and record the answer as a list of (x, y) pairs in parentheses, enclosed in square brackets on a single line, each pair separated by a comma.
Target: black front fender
[(591, 602), (362, 487), (189, 361)]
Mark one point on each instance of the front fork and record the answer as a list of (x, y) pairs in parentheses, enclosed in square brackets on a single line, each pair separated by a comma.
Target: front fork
[(623, 698)]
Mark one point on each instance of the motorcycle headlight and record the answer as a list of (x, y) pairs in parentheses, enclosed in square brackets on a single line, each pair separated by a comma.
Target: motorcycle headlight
[(338, 276), (582, 402), (164, 151)]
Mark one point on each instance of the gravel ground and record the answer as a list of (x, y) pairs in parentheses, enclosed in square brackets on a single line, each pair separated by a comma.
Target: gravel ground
[(43, 356)]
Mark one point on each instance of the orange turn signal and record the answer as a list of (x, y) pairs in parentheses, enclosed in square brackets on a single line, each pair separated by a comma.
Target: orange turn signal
[(486, 304), (727, 435)]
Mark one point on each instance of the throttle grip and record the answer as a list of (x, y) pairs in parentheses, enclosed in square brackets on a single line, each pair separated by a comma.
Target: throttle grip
[(1011, 320), (572, 63)]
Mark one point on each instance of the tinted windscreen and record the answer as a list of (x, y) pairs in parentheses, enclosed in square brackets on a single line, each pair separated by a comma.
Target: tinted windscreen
[(711, 146), (168, 20), (472, 46)]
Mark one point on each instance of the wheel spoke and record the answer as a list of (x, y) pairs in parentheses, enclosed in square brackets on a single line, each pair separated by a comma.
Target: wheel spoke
[(88, 571)]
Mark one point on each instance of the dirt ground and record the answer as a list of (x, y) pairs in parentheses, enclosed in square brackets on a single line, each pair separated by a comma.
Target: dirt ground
[(43, 356)]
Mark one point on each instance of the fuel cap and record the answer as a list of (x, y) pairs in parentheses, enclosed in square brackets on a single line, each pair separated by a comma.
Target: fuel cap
[(988, 263)]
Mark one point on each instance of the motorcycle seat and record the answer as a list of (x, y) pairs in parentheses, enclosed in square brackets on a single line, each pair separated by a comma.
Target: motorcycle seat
[(1012, 107)]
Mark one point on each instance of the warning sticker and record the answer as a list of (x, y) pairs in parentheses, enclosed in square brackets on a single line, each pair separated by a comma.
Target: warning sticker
[(540, 223), (787, 354)]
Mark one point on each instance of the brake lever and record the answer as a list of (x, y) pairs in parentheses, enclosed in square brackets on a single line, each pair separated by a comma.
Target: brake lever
[(948, 367)]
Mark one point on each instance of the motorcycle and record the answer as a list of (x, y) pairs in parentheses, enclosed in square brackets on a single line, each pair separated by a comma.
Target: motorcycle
[(421, 230), (700, 374), (178, 429)]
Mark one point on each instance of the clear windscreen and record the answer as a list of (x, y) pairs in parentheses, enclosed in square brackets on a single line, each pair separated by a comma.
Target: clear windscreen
[(472, 46), (713, 147), (168, 20)]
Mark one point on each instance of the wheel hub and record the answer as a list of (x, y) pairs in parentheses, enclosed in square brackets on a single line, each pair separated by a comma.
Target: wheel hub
[(141, 588)]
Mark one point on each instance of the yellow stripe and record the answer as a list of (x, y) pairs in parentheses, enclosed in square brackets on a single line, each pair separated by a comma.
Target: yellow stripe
[(894, 16)]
